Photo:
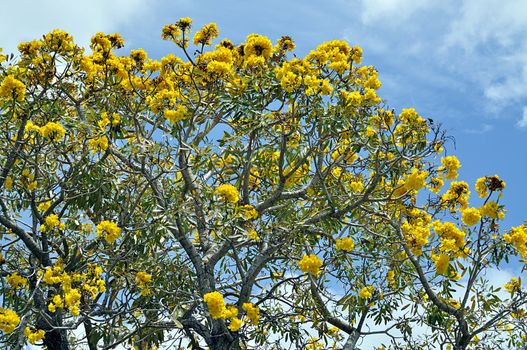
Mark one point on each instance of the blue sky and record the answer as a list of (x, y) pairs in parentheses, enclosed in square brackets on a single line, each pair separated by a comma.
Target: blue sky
[(462, 63)]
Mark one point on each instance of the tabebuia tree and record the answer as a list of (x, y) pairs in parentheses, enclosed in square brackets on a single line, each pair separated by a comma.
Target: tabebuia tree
[(235, 196)]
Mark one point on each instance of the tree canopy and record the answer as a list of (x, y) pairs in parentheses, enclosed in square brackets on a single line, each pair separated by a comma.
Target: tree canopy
[(236, 196)]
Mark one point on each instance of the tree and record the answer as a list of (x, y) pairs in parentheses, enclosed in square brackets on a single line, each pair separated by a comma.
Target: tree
[(233, 198)]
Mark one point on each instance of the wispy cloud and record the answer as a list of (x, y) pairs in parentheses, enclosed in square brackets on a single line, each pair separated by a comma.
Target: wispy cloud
[(522, 123), (25, 20), (479, 45), (483, 128)]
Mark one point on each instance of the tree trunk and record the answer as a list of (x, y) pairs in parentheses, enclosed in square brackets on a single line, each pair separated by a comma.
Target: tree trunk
[(57, 339)]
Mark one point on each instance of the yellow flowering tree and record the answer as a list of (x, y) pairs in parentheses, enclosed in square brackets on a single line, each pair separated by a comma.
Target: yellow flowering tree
[(236, 196)]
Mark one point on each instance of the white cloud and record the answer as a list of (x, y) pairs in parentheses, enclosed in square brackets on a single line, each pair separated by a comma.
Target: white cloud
[(522, 123), (491, 34), (499, 21), (392, 10), (25, 20)]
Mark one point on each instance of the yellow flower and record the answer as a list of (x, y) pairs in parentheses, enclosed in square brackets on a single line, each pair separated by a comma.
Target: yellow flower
[(441, 262), (252, 234), (253, 312), (390, 277), (492, 210), (346, 244), (108, 230), (470, 216), (45, 205), (205, 35), (457, 194), (517, 236), (9, 320), (12, 88), (34, 336), (176, 115), (228, 192), (492, 183), (143, 277), (310, 264), (98, 144), (513, 285), (249, 212), (481, 187), (53, 131), (15, 280), (366, 292), (52, 221), (235, 324), (9, 183), (415, 180), (451, 165), (215, 304)]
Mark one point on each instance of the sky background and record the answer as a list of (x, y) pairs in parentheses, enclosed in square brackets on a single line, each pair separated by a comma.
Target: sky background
[(462, 63)]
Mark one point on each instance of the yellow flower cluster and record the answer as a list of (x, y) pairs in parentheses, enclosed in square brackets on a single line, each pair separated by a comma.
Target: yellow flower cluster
[(252, 312), (310, 264), (470, 216), (492, 210), (70, 298), (9, 320), (435, 185), (481, 187), (513, 285), (486, 183), (52, 222), (108, 230), (390, 277), (205, 35), (45, 205), (456, 195), (101, 42), (346, 244), (517, 236), (59, 41), (28, 180), (415, 180), (450, 165), (53, 131), (366, 292), (344, 152), (142, 279), (173, 32), (452, 239), (34, 336), (8, 183), (215, 304), (114, 120), (257, 50), (12, 88), (176, 115), (218, 310), (16, 281), (416, 230), (98, 144), (441, 262), (412, 126), (248, 212), (228, 192), (219, 61), (336, 53), (291, 72)]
